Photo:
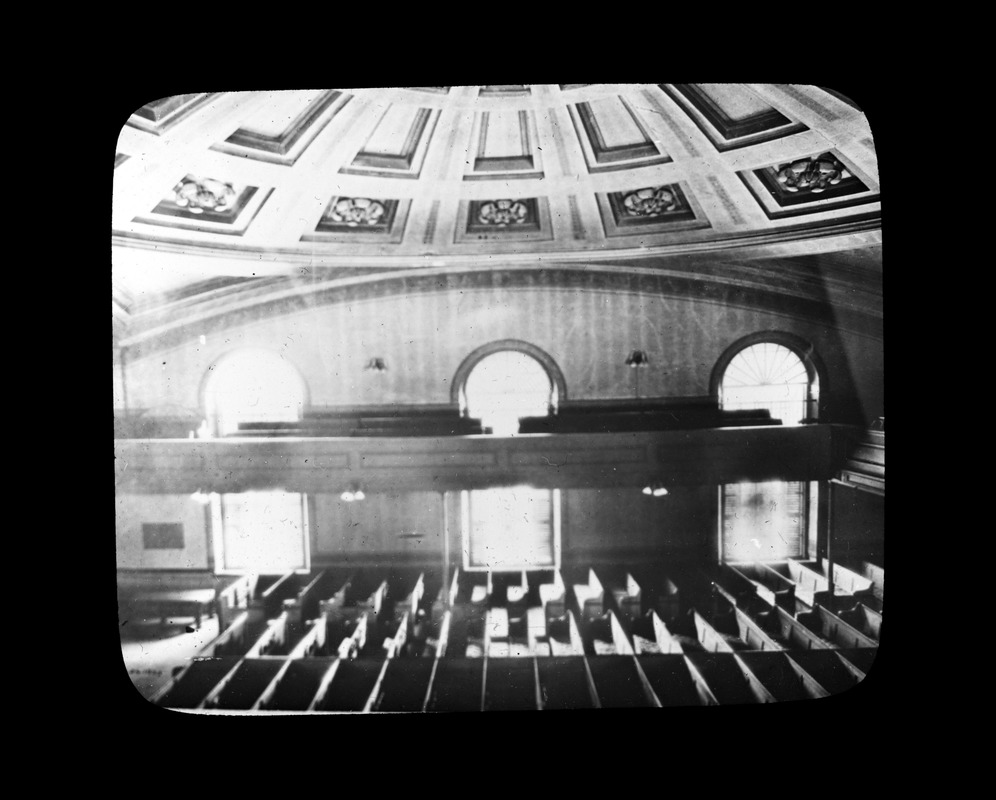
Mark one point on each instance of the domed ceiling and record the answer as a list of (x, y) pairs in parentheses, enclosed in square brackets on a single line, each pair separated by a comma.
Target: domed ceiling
[(232, 197)]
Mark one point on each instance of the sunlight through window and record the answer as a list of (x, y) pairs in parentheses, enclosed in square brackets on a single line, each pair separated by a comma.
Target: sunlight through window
[(253, 386), (506, 386), (768, 375)]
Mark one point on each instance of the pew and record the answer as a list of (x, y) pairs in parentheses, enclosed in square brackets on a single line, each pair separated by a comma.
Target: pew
[(758, 624), (712, 640), (393, 642), (811, 586), (350, 613), (827, 668), (606, 418), (565, 683), (859, 659), (672, 683), (798, 634), (781, 676), (350, 685), (553, 596), (619, 682), (447, 597), (728, 680), (235, 595), (866, 620), (296, 687), (296, 621), (770, 586), (457, 685), (194, 682), (404, 685), (876, 574), (242, 687), (511, 684), (606, 636), (236, 639), (831, 627), (626, 598), (564, 637), (589, 597), (651, 635), (406, 602)]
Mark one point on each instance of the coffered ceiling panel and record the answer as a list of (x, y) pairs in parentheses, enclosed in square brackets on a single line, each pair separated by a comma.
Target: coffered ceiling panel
[(219, 189)]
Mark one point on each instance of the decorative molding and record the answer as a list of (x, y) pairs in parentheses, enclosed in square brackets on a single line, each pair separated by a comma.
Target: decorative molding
[(807, 185), (503, 219), (577, 226), (655, 209), (288, 145), (160, 116), (692, 283), (361, 219), (504, 90), (724, 197), (667, 117), (595, 460), (523, 164), (724, 131), (430, 225), (547, 361), (811, 104), (560, 144), (208, 204), (407, 162), (600, 157)]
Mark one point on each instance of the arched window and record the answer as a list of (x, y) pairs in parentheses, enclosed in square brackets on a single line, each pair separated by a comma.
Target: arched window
[(504, 381), (772, 376), (252, 386), (768, 521), (509, 528), (261, 531)]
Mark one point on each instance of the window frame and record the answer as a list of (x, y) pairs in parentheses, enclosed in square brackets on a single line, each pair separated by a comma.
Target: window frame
[(217, 528), (467, 527)]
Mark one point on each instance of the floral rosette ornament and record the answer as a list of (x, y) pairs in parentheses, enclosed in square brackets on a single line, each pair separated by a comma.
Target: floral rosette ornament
[(198, 195), (814, 174), (650, 202), (355, 211), (503, 212)]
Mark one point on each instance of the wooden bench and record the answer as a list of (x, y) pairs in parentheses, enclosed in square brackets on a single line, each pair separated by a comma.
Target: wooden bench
[(835, 630), (194, 682), (589, 597), (781, 676), (770, 586)]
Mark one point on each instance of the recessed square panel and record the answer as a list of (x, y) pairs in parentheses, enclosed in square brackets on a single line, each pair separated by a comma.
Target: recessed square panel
[(504, 219), (652, 209), (160, 115), (808, 184), (613, 136), (730, 114), (207, 204), (507, 146), (283, 127), (361, 219), (504, 90), (397, 145)]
